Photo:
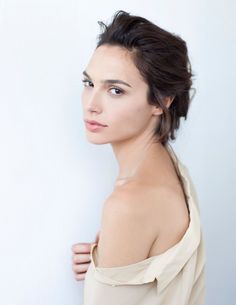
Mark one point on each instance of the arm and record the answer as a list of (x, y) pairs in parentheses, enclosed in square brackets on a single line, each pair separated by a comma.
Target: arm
[(126, 234)]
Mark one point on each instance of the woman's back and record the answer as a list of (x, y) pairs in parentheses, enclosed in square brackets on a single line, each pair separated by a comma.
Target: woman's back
[(156, 201), (174, 276)]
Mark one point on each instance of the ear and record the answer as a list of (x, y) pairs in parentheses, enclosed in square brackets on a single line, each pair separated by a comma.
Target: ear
[(157, 110)]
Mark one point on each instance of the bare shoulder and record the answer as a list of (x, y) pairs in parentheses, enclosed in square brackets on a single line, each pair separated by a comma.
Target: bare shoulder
[(126, 235), (139, 221)]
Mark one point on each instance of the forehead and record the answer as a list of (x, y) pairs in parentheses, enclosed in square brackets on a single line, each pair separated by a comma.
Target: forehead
[(113, 62)]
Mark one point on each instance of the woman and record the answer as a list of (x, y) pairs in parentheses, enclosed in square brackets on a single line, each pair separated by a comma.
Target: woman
[(150, 248)]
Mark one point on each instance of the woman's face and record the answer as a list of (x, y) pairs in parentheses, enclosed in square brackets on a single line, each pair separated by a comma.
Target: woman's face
[(122, 107)]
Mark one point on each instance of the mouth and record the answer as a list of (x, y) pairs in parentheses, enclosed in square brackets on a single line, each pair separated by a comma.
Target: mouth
[(94, 123), (94, 127)]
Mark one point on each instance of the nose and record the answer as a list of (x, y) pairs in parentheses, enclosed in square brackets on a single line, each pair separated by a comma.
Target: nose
[(93, 102)]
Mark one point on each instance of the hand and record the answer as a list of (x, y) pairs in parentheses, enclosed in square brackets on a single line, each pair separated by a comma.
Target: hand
[(81, 258)]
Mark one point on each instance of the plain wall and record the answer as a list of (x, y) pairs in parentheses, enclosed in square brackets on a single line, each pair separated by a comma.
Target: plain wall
[(53, 182)]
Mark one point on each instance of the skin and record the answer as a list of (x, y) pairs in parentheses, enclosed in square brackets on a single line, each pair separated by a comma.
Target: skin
[(129, 117), (130, 124), (81, 258)]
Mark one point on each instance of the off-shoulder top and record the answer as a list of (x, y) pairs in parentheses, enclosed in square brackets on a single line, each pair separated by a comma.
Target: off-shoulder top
[(174, 277)]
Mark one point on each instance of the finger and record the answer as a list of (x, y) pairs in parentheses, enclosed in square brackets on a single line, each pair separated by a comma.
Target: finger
[(80, 268), (81, 258), (80, 276), (81, 248)]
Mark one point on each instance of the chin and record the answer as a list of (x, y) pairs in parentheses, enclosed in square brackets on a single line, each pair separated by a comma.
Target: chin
[(96, 140)]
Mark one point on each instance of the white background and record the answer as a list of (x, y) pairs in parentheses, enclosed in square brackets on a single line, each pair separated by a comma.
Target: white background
[(53, 182)]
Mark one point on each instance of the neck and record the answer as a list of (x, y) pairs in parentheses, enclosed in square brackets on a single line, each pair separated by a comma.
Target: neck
[(133, 154)]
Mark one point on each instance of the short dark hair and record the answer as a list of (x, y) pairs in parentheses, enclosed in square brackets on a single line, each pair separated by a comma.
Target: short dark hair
[(162, 60)]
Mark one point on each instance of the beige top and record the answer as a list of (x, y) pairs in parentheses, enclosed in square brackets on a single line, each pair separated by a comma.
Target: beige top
[(174, 277)]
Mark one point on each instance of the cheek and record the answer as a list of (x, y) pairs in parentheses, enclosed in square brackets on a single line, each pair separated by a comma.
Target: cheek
[(131, 119), (83, 97), (82, 102)]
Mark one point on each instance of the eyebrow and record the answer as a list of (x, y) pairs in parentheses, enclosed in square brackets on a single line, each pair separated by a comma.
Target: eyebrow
[(110, 81)]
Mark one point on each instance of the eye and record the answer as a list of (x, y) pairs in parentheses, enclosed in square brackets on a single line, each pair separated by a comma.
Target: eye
[(85, 81), (117, 90)]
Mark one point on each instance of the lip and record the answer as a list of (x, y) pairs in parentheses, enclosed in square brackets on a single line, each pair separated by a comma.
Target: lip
[(93, 127), (92, 122)]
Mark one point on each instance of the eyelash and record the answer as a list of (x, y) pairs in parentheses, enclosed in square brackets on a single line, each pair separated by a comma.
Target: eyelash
[(121, 91)]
